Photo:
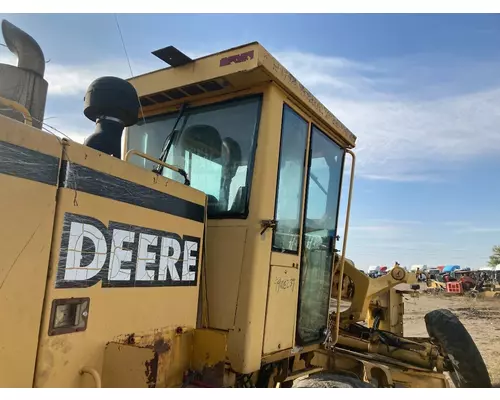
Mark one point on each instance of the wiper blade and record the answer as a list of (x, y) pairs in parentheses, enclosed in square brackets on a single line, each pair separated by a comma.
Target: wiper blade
[(169, 140)]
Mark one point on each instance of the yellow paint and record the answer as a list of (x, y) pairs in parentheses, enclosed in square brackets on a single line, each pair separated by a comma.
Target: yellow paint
[(367, 290), (19, 108), (209, 348), (113, 311), (125, 366), (224, 273), (281, 309), (27, 213)]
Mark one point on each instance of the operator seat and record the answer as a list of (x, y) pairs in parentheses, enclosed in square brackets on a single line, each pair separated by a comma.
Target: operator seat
[(202, 140)]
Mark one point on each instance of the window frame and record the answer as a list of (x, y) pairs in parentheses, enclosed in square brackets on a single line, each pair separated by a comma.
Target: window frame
[(298, 338), (302, 188), (252, 151)]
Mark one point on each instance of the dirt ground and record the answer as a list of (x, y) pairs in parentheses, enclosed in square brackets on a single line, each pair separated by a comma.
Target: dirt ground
[(481, 317)]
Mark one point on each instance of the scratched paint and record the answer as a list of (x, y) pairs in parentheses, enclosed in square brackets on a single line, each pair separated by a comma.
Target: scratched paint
[(281, 284)]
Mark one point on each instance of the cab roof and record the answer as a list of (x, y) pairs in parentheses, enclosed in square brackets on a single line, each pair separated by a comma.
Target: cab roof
[(226, 71)]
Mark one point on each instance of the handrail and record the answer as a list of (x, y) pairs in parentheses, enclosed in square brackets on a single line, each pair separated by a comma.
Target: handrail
[(156, 161), (344, 248), (18, 107), (94, 374)]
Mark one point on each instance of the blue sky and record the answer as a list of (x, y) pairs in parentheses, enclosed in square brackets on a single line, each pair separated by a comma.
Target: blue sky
[(421, 92)]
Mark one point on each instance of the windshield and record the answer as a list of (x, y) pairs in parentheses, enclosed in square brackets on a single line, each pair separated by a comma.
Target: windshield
[(214, 144)]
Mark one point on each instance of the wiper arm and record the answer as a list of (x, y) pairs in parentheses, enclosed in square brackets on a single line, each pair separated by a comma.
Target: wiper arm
[(316, 180), (168, 142)]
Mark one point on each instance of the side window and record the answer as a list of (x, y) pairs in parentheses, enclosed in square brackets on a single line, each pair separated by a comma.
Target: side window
[(288, 213)]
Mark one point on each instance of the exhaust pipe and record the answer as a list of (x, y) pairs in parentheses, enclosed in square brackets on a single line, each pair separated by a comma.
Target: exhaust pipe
[(29, 54), (24, 84)]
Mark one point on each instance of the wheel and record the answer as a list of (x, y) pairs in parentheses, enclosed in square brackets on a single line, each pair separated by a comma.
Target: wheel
[(326, 380), (469, 369)]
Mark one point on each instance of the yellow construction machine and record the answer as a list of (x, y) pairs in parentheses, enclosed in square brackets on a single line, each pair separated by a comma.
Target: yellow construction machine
[(200, 250)]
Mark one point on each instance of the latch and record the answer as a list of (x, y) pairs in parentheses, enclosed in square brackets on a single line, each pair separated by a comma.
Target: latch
[(266, 224), (69, 315)]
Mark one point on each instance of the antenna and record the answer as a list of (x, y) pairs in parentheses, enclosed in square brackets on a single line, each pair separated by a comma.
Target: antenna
[(129, 64)]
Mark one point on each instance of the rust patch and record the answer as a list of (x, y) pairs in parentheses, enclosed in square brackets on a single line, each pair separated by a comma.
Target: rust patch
[(213, 376), (130, 339), (160, 346), (151, 371)]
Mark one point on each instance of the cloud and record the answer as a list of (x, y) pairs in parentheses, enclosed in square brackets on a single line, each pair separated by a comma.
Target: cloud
[(68, 85), (6, 57), (417, 118), (66, 127), (70, 80), (403, 137), (479, 229), (73, 80), (373, 228), (456, 223), (396, 221)]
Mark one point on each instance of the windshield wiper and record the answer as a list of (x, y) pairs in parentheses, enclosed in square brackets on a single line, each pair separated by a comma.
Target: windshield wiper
[(167, 144), (316, 180)]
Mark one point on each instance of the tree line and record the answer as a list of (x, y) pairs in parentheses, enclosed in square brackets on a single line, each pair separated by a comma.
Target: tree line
[(495, 257)]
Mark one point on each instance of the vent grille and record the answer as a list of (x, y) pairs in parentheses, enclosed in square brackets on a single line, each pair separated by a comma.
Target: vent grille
[(183, 92)]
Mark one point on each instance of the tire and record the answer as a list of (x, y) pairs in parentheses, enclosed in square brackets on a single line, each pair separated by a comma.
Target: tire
[(469, 369), (325, 380)]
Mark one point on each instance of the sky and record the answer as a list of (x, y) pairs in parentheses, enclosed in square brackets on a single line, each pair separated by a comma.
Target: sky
[(421, 93)]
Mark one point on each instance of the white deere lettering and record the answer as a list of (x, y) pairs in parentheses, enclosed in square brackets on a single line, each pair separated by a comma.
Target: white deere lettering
[(120, 255), (189, 261), (167, 263), (127, 255), (145, 257), (74, 271)]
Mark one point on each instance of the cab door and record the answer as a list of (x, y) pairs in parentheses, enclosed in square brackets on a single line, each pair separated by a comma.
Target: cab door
[(324, 180), (286, 246)]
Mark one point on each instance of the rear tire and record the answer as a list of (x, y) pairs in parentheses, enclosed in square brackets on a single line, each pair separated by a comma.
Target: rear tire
[(326, 380), (469, 368)]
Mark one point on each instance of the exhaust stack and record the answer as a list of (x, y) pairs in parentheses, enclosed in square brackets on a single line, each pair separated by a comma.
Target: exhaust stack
[(24, 83)]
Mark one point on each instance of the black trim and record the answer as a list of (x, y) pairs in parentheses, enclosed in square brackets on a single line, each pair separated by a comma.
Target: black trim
[(273, 248), (298, 338), (84, 179), (253, 150), (251, 159), (29, 164)]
